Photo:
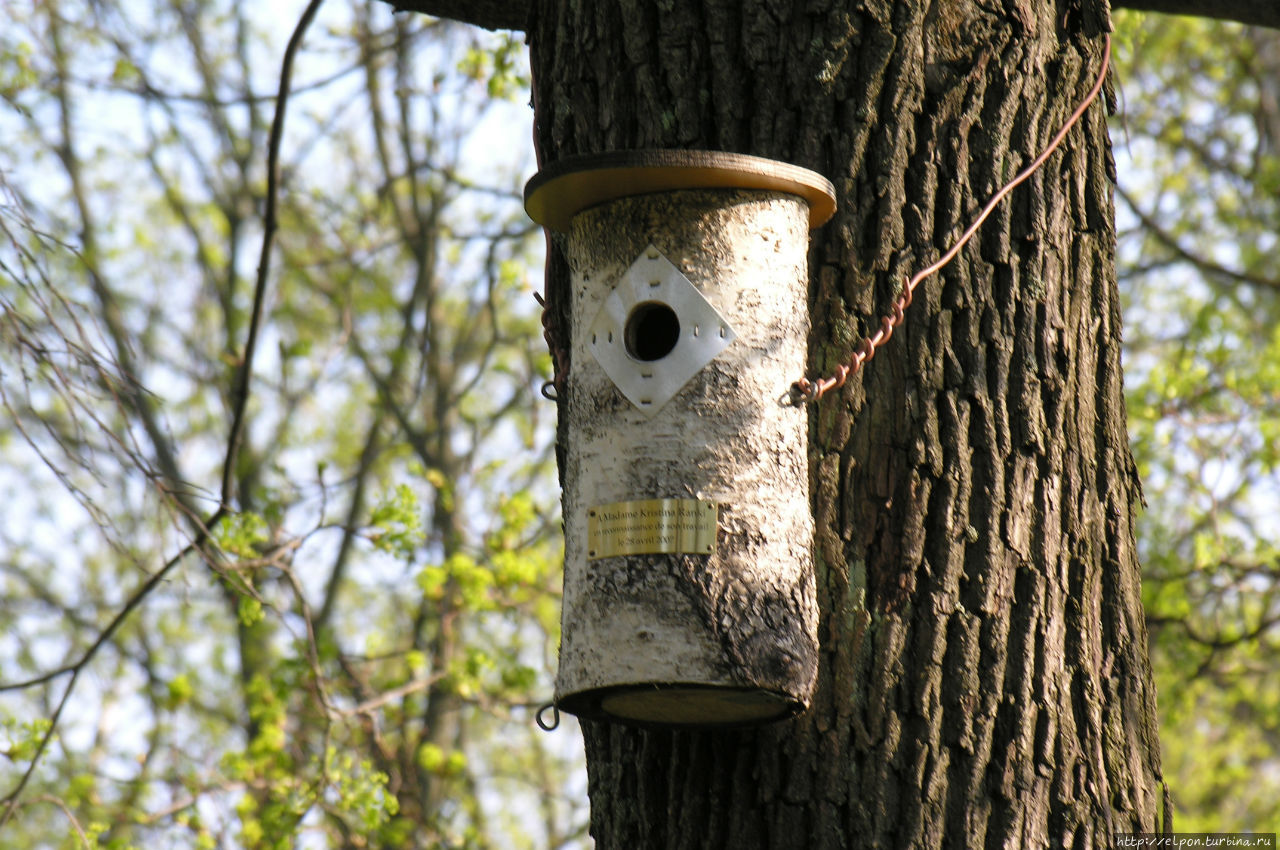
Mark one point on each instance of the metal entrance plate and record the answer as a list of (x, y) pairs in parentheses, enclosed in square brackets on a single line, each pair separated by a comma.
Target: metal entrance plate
[(655, 331)]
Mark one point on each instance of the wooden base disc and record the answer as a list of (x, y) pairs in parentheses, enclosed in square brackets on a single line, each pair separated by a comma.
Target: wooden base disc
[(682, 705)]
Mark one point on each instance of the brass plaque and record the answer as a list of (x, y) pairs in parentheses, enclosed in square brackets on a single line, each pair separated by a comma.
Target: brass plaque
[(652, 526)]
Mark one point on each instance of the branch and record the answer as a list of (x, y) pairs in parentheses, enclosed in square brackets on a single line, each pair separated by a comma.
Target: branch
[(514, 14), (487, 14), (135, 599), (1206, 266), (241, 390), (1259, 13)]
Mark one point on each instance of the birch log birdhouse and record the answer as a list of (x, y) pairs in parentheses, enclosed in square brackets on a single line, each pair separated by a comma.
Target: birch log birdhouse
[(689, 593)]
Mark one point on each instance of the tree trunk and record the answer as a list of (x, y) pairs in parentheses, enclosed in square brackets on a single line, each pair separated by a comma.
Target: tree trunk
[(983, 676)]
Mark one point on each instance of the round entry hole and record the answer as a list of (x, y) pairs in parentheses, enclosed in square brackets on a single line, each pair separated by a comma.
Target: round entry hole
[(651, 332)]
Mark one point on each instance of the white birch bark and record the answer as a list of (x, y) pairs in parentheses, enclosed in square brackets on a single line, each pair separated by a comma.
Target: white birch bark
[(693, 638)]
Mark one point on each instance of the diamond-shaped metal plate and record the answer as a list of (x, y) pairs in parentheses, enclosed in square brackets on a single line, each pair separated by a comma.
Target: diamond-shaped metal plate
[(703, 333)]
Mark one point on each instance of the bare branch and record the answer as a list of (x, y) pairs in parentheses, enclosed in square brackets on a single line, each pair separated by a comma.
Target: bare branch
[(1259, 13), (487, 14), (412, 686), (1205, 265), (514, 14), (135, 599), (241, 390), (70, 816)]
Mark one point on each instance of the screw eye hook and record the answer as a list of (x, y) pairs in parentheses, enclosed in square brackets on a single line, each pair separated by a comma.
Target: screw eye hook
[(543, 724)]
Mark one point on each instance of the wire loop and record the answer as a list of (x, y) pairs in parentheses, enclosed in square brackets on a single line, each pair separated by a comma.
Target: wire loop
[(555, 718), (551, 389)]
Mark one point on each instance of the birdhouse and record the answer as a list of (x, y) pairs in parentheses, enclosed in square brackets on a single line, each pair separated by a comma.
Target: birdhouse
[(688, 590)]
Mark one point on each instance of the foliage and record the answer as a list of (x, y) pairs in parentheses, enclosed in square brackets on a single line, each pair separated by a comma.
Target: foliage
[(1199, 152), (352, 653)]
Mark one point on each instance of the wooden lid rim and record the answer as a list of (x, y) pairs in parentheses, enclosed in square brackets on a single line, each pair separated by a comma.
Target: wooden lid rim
[(557, 193)]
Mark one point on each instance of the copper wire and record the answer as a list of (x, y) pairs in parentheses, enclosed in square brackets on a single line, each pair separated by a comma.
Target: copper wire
[(805, 391)]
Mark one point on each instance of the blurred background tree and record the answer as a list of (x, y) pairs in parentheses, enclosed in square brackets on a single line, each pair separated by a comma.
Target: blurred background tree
[(1198, 208), (352, 655)]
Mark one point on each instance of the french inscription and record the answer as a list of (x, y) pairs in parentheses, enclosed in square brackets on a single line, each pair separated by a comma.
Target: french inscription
[(652, 526)]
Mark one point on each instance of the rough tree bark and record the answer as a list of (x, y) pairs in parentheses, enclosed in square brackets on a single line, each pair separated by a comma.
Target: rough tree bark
[(983, 677)]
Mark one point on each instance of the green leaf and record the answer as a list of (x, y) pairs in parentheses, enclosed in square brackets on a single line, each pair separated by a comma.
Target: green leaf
[(395, 525), (249, 611), (241, 534), (180, 691)]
